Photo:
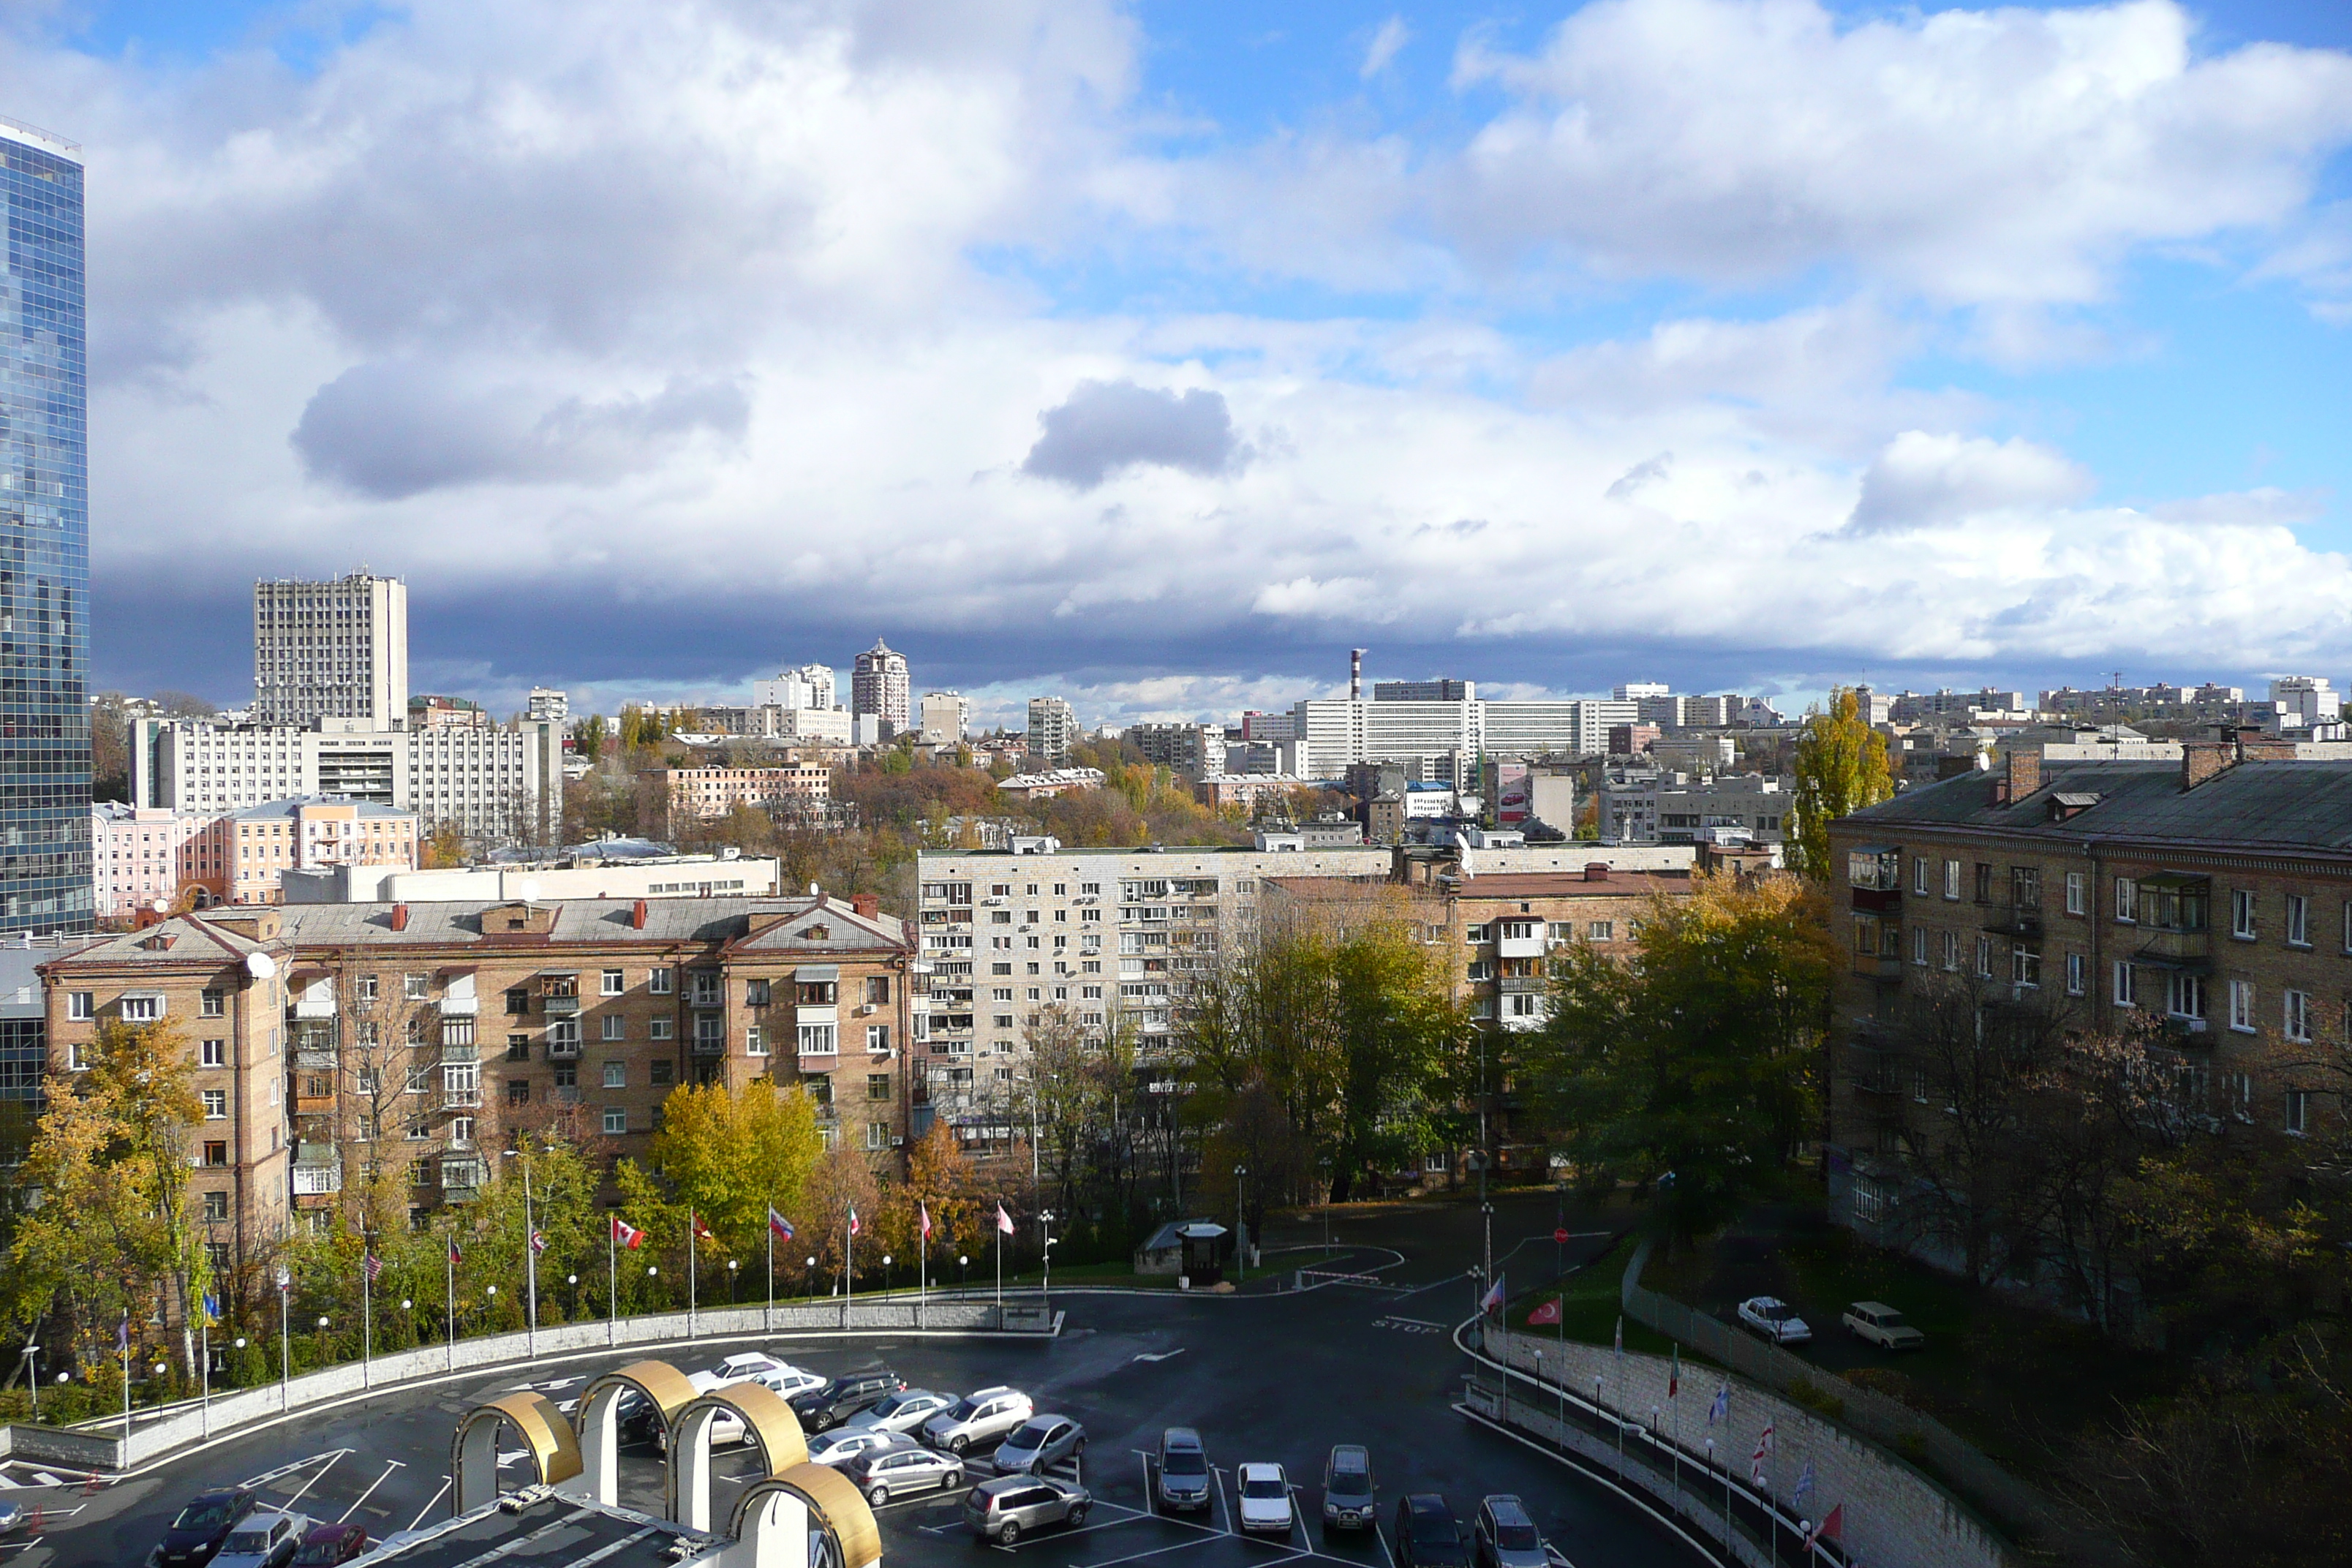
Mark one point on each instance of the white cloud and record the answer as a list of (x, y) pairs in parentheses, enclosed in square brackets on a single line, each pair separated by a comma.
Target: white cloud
[(1394, 35), (1924, 480)]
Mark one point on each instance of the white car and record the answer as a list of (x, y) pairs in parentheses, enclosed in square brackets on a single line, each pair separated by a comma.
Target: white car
[(1264, 1499), (753, 1366), (905, 1411), (837, 1449), (979, 1416), (266, 1538), (1775, 1319)]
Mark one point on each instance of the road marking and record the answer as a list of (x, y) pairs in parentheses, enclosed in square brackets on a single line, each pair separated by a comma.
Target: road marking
[(428, 1507), (1217, 1474), (1409, 1325), (1159, 1355), (263, 1479), (388, 1468), (314, 1480), (1155, 1551), (1384, 1544)]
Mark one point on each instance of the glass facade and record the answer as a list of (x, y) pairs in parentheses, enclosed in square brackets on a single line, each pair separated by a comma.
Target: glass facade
[(44, 850)]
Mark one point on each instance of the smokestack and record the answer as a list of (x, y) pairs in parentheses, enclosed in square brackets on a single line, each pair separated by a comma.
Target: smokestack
[(1356, 674)]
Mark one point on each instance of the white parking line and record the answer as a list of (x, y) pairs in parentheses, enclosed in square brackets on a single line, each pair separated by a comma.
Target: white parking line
[(1216, 1474), (428, 1507), (1383, 1540), (314, 1480), (1155, 1551), (388, 1468)]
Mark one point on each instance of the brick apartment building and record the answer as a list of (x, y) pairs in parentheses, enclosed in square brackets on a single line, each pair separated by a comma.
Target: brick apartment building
[(340, 1037), (703, 794), (2208, 898)]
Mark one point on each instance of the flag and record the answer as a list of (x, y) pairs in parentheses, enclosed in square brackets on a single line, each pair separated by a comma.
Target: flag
[(455, 1255), (1004, 1220), (212, 1308), (1755, 1461), (1804, 1486), (1675, 1377), (1546, 1313), (1492, 1301), (1722, 1406), (627, 1235), (1830, 1529), (925, 1209), (778, 1224), (539, 1241), (702, 1231), (1620, 1333), (853, 1220), (373, 1265), (122, 1338)]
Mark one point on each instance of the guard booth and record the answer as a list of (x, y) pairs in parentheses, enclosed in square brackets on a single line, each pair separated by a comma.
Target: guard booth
[(1194, 1250)]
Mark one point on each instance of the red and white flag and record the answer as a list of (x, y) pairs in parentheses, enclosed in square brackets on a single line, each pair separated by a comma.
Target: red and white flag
[(1830, 1529), (777, 1223), (539, 1241), (853, 1221), (1546, 1313), (374, 1267), (627, 1235), (455, 1255), (702, 1231), (925, 1210), (1004, 1220), (1755, 1461)]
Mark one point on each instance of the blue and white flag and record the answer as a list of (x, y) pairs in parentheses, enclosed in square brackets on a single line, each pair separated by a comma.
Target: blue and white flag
[(1722, 1406), (1492, 1301), (1804, 1485)]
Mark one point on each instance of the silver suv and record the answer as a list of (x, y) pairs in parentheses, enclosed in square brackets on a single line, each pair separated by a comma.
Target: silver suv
[(1183, 1469), (1505, 1537), (1003, 1509), (899, 1467), (977, 1417)]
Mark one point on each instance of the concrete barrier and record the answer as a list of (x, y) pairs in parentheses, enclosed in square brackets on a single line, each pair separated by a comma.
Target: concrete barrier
[(90, 1447)]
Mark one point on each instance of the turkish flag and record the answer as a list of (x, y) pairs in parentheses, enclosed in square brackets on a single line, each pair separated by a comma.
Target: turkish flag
[(1546, 1313)]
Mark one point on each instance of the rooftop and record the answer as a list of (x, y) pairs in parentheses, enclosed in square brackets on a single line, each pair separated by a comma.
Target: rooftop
[(2285, 805)]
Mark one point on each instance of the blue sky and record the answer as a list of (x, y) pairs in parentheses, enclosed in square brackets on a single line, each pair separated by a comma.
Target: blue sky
[(1158, 354)]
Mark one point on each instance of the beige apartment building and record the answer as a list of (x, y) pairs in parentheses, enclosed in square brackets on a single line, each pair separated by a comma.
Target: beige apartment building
[(241, 858), (330, 1041), (704, 794), (2207, 902)]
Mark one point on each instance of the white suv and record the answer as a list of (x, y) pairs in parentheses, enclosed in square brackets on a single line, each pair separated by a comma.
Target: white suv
[(980, 1416)]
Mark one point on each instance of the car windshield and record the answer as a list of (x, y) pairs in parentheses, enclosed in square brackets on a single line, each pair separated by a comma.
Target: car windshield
[(320, 1552), (1516, 1537), (1888, 1319), (963, 1408), (1264, 1487), (1433, 1529), (1185, 1462), (246, 1542), (1029, 1436), (1774, 1311), (895, 1404), (210, 1514), (1351, 1483)]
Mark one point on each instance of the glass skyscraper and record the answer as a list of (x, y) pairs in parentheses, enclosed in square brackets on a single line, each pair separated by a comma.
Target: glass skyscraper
[(45, 864)]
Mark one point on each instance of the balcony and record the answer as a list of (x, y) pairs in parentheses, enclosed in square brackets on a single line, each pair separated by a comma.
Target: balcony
[(1878, 900), (1524, 985), (455, 1051), (318, 1179), (465, 1007), (2012, 920), (461, 1099), (1875, 966), (561, 1006), (1528, 944), (307, 1006), (562, 1050), (710, 1045), (2175, 947), (318, 1059)]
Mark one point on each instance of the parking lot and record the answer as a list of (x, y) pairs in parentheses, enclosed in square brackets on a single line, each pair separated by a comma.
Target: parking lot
[(1276, 1378)]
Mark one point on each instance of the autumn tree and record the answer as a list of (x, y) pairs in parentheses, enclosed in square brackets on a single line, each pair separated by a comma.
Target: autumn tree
[(1841, 767), (730, 1152)]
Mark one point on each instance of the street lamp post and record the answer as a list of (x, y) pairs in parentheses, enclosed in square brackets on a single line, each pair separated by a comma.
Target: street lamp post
[(963, 1277), (572, 1307), (886, 1274), (30, 1355), (810, 1279), (1241, 1233), (1045, 1221), (285, 1339), (530, 1253)]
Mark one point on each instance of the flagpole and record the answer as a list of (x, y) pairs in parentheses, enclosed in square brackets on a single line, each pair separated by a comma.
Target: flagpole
[(849, 1265), (693, 1259), (367, 1316), (531, 1260), (204, 1333), (771, 1320), (999, 1263), (612, 1279), (449, 1260), (923, 1266)]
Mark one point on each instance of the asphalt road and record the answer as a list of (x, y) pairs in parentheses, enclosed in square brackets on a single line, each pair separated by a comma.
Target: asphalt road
[(1276, 1378)]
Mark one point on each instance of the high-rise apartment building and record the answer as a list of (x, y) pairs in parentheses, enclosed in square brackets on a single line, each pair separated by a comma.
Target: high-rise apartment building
[(946, 716), (45, 824), (1053, 730), (806, 689), (877, 685), (334, 650), (549, 705)]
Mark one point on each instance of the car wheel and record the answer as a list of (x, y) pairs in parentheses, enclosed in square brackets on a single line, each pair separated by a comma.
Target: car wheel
[(1078, 1447), (1010, 1533), (1077, 1516), (878, 1496), (958, 1443), (955, 1479)]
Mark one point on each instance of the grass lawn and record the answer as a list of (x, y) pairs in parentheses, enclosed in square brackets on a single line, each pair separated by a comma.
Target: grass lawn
[(1589, 1312)]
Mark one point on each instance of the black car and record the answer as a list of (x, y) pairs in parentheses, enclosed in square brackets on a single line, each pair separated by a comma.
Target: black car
[(196, 1535), (1426, 1534), (844, 1397)]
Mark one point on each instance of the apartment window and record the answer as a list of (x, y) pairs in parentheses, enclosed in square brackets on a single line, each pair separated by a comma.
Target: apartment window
[(1003, 1020), (616, 1120), (142, 1009), (461, 1083), (217, 1208), (517, 1047), (215, 1104), (2298, 1111), (2025, 966), (1984, 883), (2126, 992), (1984, 958), (215, 1002), (755, 993), (365, 1080), (815, 993), (818, 1039), (1000, 917), (658, 1028), (366, 988), (2127, 901), (661, 1072), (1919, 946), (878, 1135), (613, 984), (519, 1003), (877, 1038), (79, 1003), (2242, 913), (755, 1040), (461, 1130), (216, 1152), (1919, 874), (2078, 892), (617, 1075), (2296, 1019), (1474, 935), (2184, 995), (660, 982), (1601, 930), (1952, 880), (1952, 952), (877, 989), (213, 1053), (877, 1086), (2298, 920), (417, 987), (2078, 972), (518, 1091), (615, 1028)]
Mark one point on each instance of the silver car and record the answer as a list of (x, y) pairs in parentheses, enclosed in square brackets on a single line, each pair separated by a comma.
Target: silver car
[(901, 1468), (1505, 1537), (905, 1411), (837, 1449), (1038, 1444), (1008, 1507), (266, 1538), (979, 1416)]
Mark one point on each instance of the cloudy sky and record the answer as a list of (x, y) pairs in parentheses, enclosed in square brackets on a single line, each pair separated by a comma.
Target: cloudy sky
[(1158, 353)]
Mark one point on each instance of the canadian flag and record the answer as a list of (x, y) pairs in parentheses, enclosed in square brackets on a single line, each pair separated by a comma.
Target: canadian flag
[(853, 1222), (627, 1235), (925, 1209), (539, 1241), (1004, 1220), (702, 1231)]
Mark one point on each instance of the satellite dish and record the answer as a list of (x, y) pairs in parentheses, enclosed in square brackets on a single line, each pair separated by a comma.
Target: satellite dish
[(531, 889), (260, 965)]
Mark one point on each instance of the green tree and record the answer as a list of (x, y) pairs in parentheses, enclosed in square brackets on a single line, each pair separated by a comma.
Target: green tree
[(729, 1153), (1701, 1058), (1841, 767)]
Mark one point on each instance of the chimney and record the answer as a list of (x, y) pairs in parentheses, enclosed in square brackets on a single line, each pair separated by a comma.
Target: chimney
[(866, 904), (1596, 870), (2258, 747), (400, 916), (2022, 778), (1356, 674), (2201, 760), (638, 915)]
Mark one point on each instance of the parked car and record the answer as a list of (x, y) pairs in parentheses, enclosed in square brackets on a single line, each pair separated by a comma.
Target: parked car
[(1038, 1443), (837, 1449), (755, 1366), (328, 1544), (11, 1516), (1775, 1319), (1348, 1499), (899, 1467), (198, 1533), (1264, 1499), (905, 1411), (1426, 1534), (1005, 1507), (832, 1403), (1883, 1326), (978, 1416), (266, 1538), (1183, 1482), (1505, 1537)]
